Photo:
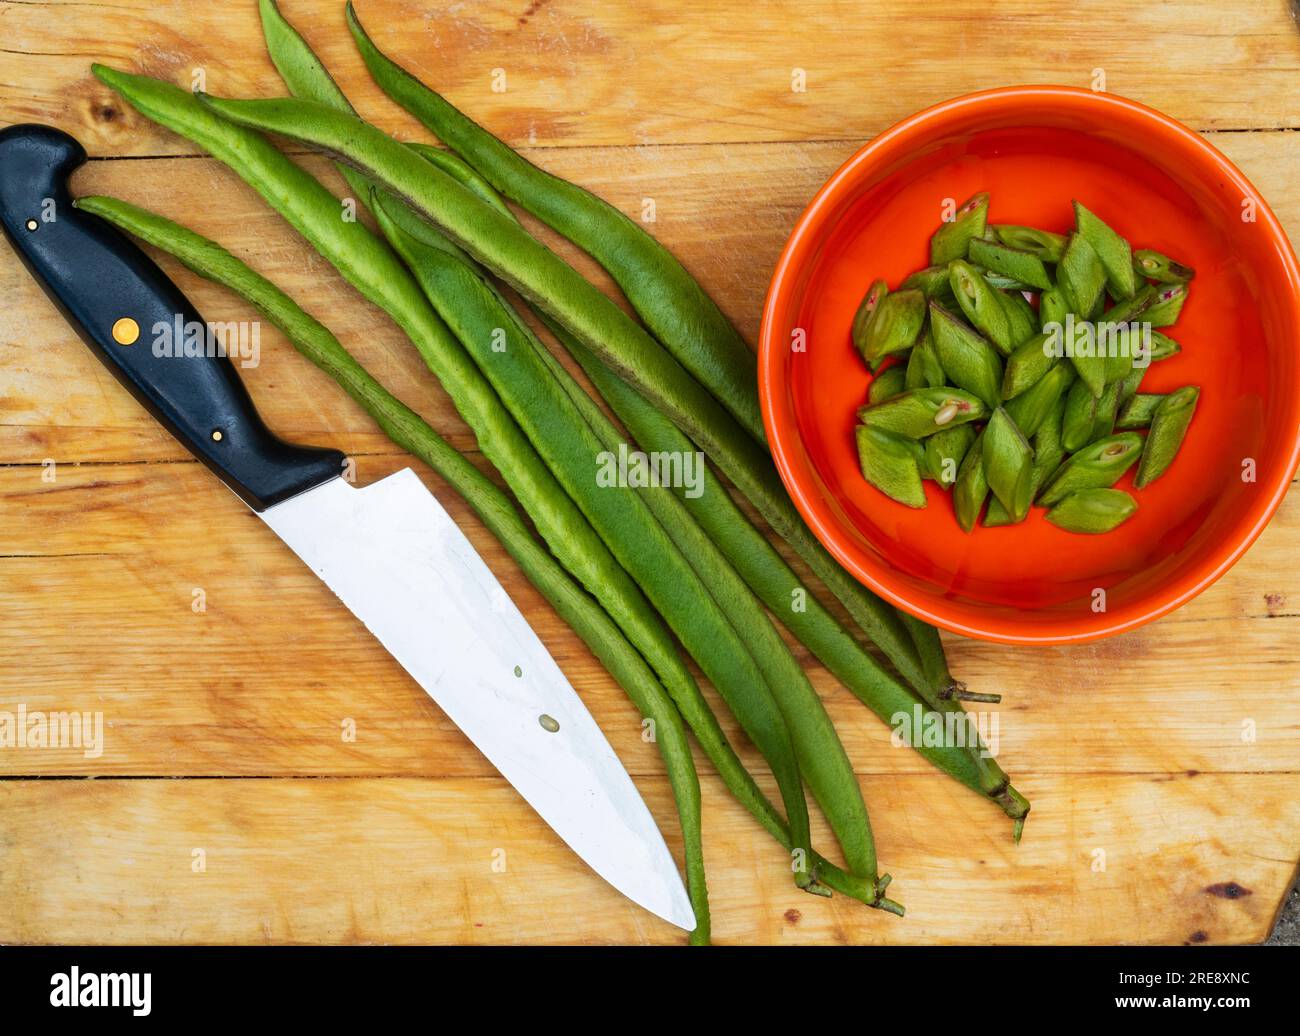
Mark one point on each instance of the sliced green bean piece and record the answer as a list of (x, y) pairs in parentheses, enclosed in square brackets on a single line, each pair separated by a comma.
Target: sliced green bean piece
[(1030, 409), (981, 304), (1048, 449), (1114, 252), (1080, 416), (1120, 336), (866, 311), (972, 487), (1024, 267), (1030, 361), (1047, 246), (1001, 281), (1130, 308), (932, 282), (887, 384), (1096, 466), (892, 325), (996, 516), (490, 503), (953, 238), (1093, 511), (1086, 354), (922, 412), (670, 301), (1103, 422), (1008, 463), (1133, 381), (889, 463), (1021, 317), (1052, 309), (1138, 411), (1157, 267), (923, 367), (969, 360), (1168, 429), (1081, 278), (944, 453), (1167, 305), (1163, 347), (554, 287)]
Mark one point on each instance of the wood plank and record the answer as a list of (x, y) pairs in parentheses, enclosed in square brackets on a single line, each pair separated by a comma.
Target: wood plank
[(97, 593), (411, 860), (60, 403), (658, 72)]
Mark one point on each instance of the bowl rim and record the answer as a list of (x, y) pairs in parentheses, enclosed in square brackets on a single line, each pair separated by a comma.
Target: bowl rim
[(796, 468)]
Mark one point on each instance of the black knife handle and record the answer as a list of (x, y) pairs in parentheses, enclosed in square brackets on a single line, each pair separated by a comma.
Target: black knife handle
[(127, 310)]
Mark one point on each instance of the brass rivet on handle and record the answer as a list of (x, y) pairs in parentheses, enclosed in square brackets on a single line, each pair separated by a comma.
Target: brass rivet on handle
[(125, 331)]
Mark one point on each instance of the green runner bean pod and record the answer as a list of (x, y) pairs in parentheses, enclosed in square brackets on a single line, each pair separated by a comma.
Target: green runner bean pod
[(490, 503)]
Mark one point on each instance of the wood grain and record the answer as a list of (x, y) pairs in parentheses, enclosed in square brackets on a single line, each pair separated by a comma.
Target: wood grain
[(661, 72), (1173, 749), (364, 860)]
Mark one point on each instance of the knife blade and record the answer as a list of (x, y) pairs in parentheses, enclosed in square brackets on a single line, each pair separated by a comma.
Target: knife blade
[(388, 551)]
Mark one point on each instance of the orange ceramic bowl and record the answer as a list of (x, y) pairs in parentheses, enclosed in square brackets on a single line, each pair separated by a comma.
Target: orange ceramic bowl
[(1034, 149)]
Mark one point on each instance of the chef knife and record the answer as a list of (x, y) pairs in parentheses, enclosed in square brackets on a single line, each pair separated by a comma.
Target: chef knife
[(389, 551)]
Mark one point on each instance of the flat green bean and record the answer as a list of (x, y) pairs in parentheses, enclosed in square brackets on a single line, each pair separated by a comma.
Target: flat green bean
[(755, 673), (379, 275)]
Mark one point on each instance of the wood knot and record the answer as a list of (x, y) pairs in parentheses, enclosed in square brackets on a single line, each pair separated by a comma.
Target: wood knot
[(1228, 890)]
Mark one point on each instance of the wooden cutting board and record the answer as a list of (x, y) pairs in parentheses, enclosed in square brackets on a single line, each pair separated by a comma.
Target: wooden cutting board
[(1164, 765)]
